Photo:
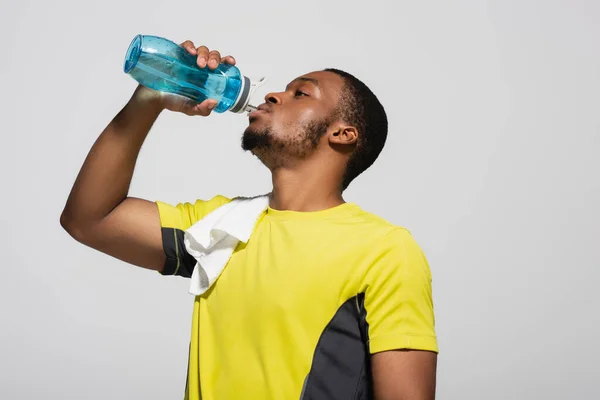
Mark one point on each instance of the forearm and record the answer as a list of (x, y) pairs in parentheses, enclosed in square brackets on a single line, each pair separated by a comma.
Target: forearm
[(104, 179)]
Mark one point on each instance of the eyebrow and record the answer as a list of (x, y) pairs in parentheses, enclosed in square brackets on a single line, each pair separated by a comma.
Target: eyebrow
[(304, 79), (311, 80)]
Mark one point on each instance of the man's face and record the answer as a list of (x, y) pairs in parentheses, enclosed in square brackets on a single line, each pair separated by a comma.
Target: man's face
[(290, 124)]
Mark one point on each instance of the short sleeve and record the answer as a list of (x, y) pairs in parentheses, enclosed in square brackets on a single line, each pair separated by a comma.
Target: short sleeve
[(398, 299), (174, 221), (184, 215)]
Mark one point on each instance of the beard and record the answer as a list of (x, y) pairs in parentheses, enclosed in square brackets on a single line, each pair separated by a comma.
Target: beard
[(257, 138), (274, 150)]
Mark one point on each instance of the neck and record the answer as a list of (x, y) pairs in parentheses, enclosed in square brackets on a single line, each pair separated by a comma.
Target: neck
[(306, 187)]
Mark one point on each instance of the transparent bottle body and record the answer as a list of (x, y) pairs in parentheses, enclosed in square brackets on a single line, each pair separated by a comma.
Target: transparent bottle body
[(163, 65)]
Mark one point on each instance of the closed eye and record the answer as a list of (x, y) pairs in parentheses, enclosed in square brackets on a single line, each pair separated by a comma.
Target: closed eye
[(300, 93)]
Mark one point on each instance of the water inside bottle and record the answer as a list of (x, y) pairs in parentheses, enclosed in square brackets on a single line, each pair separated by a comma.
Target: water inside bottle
[(161, 72)]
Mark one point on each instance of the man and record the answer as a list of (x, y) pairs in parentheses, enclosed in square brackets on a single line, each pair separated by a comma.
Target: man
[(325, 301)]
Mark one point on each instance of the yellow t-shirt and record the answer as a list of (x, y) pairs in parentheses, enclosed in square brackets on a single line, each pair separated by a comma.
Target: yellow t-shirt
[(298, 309)]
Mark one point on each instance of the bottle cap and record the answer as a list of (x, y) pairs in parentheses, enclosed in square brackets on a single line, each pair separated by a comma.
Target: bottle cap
[(242, 103)]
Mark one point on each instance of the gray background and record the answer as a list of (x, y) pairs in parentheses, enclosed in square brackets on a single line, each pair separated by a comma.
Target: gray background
[(492, 163)]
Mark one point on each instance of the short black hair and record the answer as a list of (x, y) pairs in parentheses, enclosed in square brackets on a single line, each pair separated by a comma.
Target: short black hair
[(359, 107)]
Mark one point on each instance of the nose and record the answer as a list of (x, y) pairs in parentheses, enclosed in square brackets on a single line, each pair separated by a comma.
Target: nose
[(273, 98)]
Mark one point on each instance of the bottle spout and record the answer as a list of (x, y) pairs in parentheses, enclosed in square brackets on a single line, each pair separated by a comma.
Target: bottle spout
[(253, 86), (243, 102)]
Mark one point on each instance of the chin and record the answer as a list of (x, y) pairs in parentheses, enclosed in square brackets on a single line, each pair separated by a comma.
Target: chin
[(256, 137)]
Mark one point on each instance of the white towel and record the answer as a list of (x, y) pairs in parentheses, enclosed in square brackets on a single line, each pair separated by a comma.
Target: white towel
[(212, 240)]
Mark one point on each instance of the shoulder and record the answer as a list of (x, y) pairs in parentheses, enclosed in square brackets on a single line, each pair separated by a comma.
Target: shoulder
[(380, 228), (385, 238)]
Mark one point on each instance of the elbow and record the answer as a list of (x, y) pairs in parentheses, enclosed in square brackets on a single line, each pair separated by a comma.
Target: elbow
[(73, 227)]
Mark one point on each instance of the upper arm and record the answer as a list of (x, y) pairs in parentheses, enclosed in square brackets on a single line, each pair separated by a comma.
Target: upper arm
[(404, 375), (401, 324), (148, 234), (131, 232)]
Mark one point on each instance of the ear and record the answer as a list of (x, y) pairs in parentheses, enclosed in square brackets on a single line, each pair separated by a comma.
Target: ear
[(344, 135)]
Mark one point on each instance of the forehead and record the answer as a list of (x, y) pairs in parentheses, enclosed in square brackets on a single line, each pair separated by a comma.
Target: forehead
[(329, 83)]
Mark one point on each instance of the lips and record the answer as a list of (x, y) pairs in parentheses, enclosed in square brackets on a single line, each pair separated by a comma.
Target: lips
[(256, 112), (262, 109)]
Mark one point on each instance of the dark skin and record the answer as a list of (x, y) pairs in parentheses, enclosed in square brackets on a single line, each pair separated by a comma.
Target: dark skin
[(306, 177)]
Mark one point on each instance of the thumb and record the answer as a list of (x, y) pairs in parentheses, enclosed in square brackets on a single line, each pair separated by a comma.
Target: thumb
[(203, 109)]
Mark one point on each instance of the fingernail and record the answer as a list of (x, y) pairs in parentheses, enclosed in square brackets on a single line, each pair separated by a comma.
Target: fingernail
[(211, 106), (202, 61)]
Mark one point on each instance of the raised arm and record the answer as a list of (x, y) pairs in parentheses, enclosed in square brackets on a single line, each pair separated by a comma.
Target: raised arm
[(98, 212)]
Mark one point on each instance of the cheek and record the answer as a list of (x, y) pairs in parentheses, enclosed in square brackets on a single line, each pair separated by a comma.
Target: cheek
[(291, 121), (280, 124), (288, 123), (306, 115)]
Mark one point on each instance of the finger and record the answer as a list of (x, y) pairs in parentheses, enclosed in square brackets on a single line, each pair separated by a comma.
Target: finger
[(189, 46), (214, 58), (228, 60), (202, 56), (203, 109)]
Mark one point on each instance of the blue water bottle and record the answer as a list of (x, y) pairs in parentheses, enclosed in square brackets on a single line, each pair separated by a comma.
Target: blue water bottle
[(163, 65)]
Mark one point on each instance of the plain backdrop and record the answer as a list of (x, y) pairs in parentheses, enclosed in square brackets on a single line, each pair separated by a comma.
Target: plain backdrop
[(492, 162)]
